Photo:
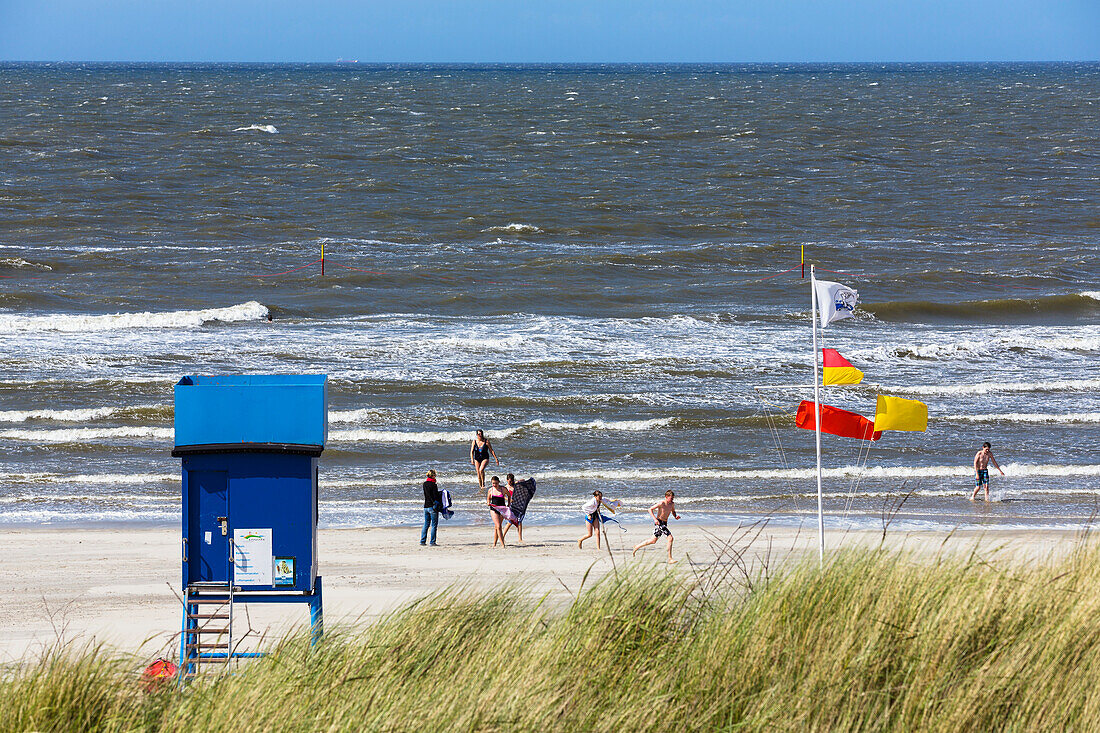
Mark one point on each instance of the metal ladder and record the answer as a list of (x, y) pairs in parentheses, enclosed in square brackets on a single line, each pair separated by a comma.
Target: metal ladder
[(207, 627), (203, 617)]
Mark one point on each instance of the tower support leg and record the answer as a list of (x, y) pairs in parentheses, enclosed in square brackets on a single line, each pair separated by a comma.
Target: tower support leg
[(316, 615)]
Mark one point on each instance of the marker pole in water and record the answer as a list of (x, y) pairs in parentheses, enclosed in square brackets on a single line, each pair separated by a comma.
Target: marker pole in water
[(322, 259), (803, 261), (817, 423)]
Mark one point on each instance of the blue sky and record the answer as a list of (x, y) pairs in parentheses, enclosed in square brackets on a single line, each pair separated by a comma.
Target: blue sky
[(561, 31)]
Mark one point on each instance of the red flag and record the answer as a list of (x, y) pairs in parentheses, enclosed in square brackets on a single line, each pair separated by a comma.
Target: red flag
[(836, 422)]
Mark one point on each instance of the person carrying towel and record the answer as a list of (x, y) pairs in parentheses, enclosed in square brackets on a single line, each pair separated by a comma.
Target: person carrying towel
[(510, 488), (592, 517)]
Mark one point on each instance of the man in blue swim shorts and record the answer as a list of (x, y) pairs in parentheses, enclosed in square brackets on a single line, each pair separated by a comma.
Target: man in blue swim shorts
[(981, 470)]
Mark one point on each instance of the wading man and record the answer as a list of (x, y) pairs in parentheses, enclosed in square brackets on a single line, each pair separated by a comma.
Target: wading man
[(981, 470)]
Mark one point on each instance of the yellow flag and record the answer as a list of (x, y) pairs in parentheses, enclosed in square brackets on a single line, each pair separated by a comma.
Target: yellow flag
[(895, 413)]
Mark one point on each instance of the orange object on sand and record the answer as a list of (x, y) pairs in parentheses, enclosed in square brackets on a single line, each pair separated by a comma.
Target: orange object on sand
[(156, 674)]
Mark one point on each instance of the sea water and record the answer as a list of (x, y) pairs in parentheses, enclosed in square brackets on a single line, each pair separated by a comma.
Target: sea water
[(582, 261)]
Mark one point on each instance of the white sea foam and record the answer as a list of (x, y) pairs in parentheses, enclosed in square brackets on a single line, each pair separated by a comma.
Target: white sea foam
[(515, 228), (259, 128), (250, 311), (94, 478), (628, 475), (1011, 470), (681, 339), (1094, 294), (967, 350), (92, 382), (120, 478), (460, 436), (1068, 385), (399, 436), (1052, 343), (353, 416), (1029, 417), (20, 263), (56, 415), (628, 502), (82, 516), (144, 499), (87, 435), (1026, 339), (626, 425)]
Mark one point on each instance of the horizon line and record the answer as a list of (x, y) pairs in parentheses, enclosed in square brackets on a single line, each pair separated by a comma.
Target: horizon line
[(358, 62)]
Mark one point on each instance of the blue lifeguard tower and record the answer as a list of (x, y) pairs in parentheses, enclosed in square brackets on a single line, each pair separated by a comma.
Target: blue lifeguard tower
[(249, 446)]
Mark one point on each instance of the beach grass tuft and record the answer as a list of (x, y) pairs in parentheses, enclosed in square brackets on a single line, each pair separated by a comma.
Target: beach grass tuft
[(874, 640)]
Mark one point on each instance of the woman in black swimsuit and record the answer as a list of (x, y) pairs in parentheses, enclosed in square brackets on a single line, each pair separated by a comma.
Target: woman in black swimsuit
[(494, 498), (480, 450)]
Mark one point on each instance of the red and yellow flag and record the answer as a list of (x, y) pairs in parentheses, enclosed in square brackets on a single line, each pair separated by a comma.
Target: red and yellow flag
[(837, 370)]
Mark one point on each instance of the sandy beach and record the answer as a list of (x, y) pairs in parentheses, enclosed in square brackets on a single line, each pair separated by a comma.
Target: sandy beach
[(120, 586)]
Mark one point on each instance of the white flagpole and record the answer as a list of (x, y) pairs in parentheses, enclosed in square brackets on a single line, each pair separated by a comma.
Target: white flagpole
[(817, 422)]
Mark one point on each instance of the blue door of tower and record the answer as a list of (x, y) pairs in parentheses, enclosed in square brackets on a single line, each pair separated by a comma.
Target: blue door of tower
[(209, 510)]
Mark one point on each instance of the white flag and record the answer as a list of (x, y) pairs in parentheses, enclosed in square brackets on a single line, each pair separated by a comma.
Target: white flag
[(835, 301)]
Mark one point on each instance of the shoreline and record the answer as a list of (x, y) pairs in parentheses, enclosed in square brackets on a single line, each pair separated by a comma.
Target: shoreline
[(635, 520), (120, 586)]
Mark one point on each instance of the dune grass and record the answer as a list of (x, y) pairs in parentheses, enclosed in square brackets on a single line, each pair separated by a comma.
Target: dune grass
[(873, 641)]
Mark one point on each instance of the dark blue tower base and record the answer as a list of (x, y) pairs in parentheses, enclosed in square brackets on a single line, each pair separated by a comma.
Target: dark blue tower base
[(249, 446)]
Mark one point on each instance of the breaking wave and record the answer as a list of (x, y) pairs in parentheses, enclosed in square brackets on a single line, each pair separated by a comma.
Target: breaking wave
[(87, 435), (250, 311), (399, 436), (1066, 385), (1028, 417), (101, 478), (97, 498), (633, 503), (515, 229), (613, 474), (1085, 303), (56, 415), (19, 263), (1014, 469), (258, 128), (459, 436), (82, 516), (354, 416), (158, 413), (1084, 339)]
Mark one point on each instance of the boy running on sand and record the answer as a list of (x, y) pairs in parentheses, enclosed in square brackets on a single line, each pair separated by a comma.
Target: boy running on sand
[(981, 470), (660, 513)]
